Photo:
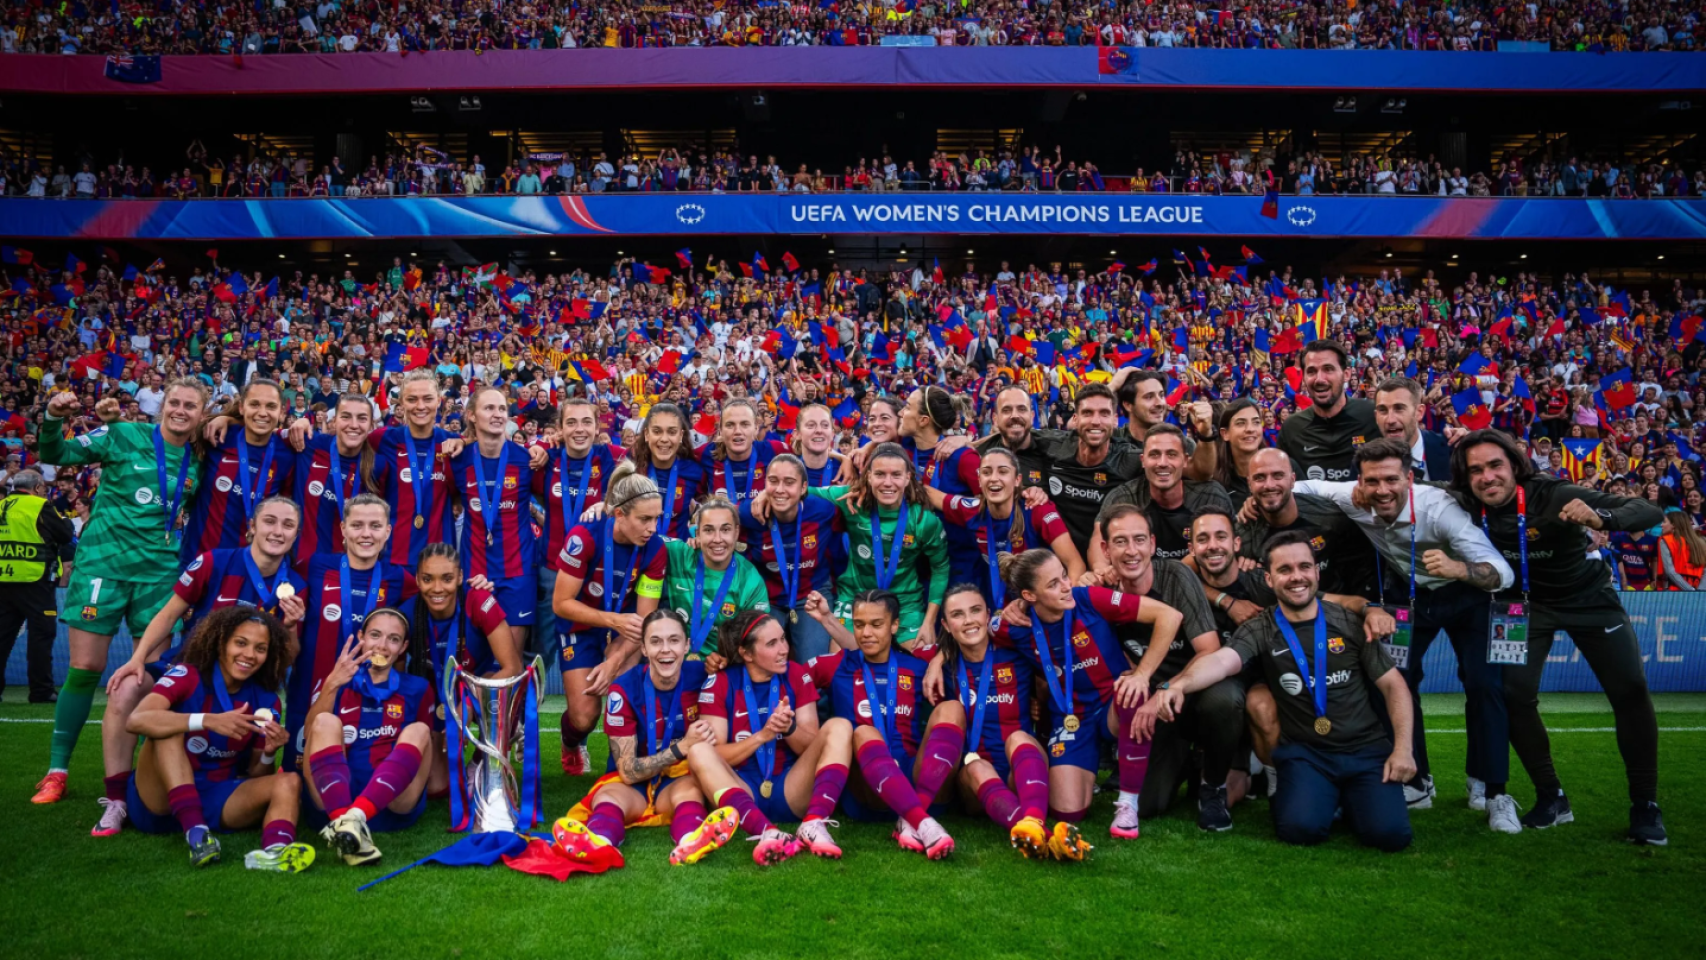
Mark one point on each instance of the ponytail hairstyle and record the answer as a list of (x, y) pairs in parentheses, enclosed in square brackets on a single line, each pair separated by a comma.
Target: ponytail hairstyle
[(1016, 524), (861, 485), (420, 624), (236, 407), (796, 442), (408, 664), (1019, 571), (670, 614), (641, 453), (295, 507), (198, 445), (937, 405), (715, 501), (365, 480), (886, 401), (628, 486), (734, 635), (883, 598), (951, 648), (786, 460)]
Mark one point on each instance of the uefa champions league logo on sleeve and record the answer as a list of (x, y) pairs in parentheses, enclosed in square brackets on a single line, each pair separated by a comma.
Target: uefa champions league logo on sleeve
[(1300, 216), (690, 213)]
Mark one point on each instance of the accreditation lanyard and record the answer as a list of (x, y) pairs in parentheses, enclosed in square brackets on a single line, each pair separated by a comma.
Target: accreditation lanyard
[(756, 719), (420, 475), (653, 744), (701, 623), (985, 672), (345, 588), (1521, 535), (266, 592), (1411, 494), (1317, 677), (882, 714), (1059, 681), (789, 572), (572, 512), (173, 502), (252, 489), (491, 493), (886, 571)]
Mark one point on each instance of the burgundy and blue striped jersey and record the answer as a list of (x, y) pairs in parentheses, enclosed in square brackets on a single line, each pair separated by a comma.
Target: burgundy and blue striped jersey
[(237, 476)]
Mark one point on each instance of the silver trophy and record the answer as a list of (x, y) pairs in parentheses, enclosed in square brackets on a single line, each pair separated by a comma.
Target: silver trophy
[(492, 715)]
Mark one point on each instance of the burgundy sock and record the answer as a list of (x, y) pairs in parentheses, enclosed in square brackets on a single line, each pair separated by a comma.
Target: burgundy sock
[(391, 777), (752, 820), (1030, 776), (572, 737), (884, 776), (999, 802), (331, 777), (1133, 757), (943, 747), (116, 785), (607, 822), (186, 806), (686, 819), (1070, 816), (826, 790), (278, 832)]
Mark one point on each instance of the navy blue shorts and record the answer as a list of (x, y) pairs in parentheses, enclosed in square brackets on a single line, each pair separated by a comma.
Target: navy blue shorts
[(518, 597), (214, 794), (774, 807), (1083, 747), (580, 651)]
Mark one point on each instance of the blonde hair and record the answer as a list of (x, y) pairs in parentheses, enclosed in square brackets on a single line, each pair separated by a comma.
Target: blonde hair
[(627, 486)]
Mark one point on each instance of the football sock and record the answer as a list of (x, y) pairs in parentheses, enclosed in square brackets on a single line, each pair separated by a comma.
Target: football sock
[(1133, 757), (607, 822), (826, 790), (116, 784), (331, 777), (1070, 816), (943, 746), (999, 802), (1030, 775), (687, 817), (884, 776), (391, 777), (752, 820), (76, 699), (278, 833), (572, 736), (186, 806)]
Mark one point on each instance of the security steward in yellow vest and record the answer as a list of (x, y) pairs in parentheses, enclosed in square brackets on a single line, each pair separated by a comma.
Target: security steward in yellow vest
[(34, 539)]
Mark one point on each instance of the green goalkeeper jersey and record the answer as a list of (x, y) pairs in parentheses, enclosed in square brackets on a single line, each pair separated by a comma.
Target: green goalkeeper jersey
[(125, 537), (924, 543), (681, 591)]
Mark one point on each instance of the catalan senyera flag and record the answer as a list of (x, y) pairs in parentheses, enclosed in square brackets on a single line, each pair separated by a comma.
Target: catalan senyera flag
[(1577, 453)]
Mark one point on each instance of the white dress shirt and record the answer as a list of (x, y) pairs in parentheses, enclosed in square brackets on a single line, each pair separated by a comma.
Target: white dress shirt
[(1440, 525)]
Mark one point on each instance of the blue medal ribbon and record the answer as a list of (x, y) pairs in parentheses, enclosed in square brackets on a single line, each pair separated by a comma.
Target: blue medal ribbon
[(251, 488), (1317, 677), (221, 695), (420, 474), (266, 592), (755, 720), (701, 625), (175, 501), (882, 715), (653, 744), (975, 733), (1059, 690), (345, 588), (607, 568), (729, 477), (443, 651), (667, 485), (572, 514), (997, 589), (790, 581), (377, 692), (335, 476), (491, 494), (885, 571)]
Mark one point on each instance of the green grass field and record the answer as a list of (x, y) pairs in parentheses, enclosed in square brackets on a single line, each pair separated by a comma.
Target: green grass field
[(1574, 891)]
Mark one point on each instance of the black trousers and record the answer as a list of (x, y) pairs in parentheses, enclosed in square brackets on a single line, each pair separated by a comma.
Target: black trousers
[(1606, 639), (1464, 614), (1212, 718), (34, 604)]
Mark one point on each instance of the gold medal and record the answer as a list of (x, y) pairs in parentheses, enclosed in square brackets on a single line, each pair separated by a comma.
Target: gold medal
[(420, 522), (793, 616), (971, 758), (1323, 726), (1070, 723), (764, 789)]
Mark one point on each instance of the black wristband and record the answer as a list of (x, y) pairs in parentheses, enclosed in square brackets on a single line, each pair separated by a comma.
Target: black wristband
[(675, 751)]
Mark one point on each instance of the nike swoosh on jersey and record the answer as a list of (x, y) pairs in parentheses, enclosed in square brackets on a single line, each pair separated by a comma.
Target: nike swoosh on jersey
[(349, 710), (224, 599), (1614, 629), (1309, 449), (139, 466)]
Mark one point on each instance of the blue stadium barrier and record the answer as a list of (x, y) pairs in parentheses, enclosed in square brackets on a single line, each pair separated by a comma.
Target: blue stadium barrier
[(1671, 627)]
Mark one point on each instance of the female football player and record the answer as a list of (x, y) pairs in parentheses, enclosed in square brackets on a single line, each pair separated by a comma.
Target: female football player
[(794, 551), (1000, 521), (572, 479), (709, 581), (665, 455), (494, 480)]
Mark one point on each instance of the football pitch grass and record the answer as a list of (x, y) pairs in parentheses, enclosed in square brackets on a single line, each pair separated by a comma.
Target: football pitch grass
[(1459, 891)]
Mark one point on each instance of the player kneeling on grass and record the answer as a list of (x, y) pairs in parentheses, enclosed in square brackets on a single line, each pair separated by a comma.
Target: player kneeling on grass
[(1003, 771), (652, 720), (368, 729), (204, 721), (1333, 751), (769, 760)]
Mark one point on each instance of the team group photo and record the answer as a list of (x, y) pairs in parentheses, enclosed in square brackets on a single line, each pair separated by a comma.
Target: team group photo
[(469, 495)]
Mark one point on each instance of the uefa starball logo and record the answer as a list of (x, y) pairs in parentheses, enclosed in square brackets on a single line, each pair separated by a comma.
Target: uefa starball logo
[(1300, 216), (690, 213)]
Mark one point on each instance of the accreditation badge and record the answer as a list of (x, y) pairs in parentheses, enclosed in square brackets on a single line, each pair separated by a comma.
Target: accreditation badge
[(1507, 643), (1397, 646)]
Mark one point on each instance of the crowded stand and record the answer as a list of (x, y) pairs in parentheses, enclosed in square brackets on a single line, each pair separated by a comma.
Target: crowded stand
[(430, 172), (780, 481), (332, 26)]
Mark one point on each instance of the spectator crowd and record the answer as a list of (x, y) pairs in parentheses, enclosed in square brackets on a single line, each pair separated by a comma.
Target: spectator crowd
[(1608, 385), (335, 26)]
